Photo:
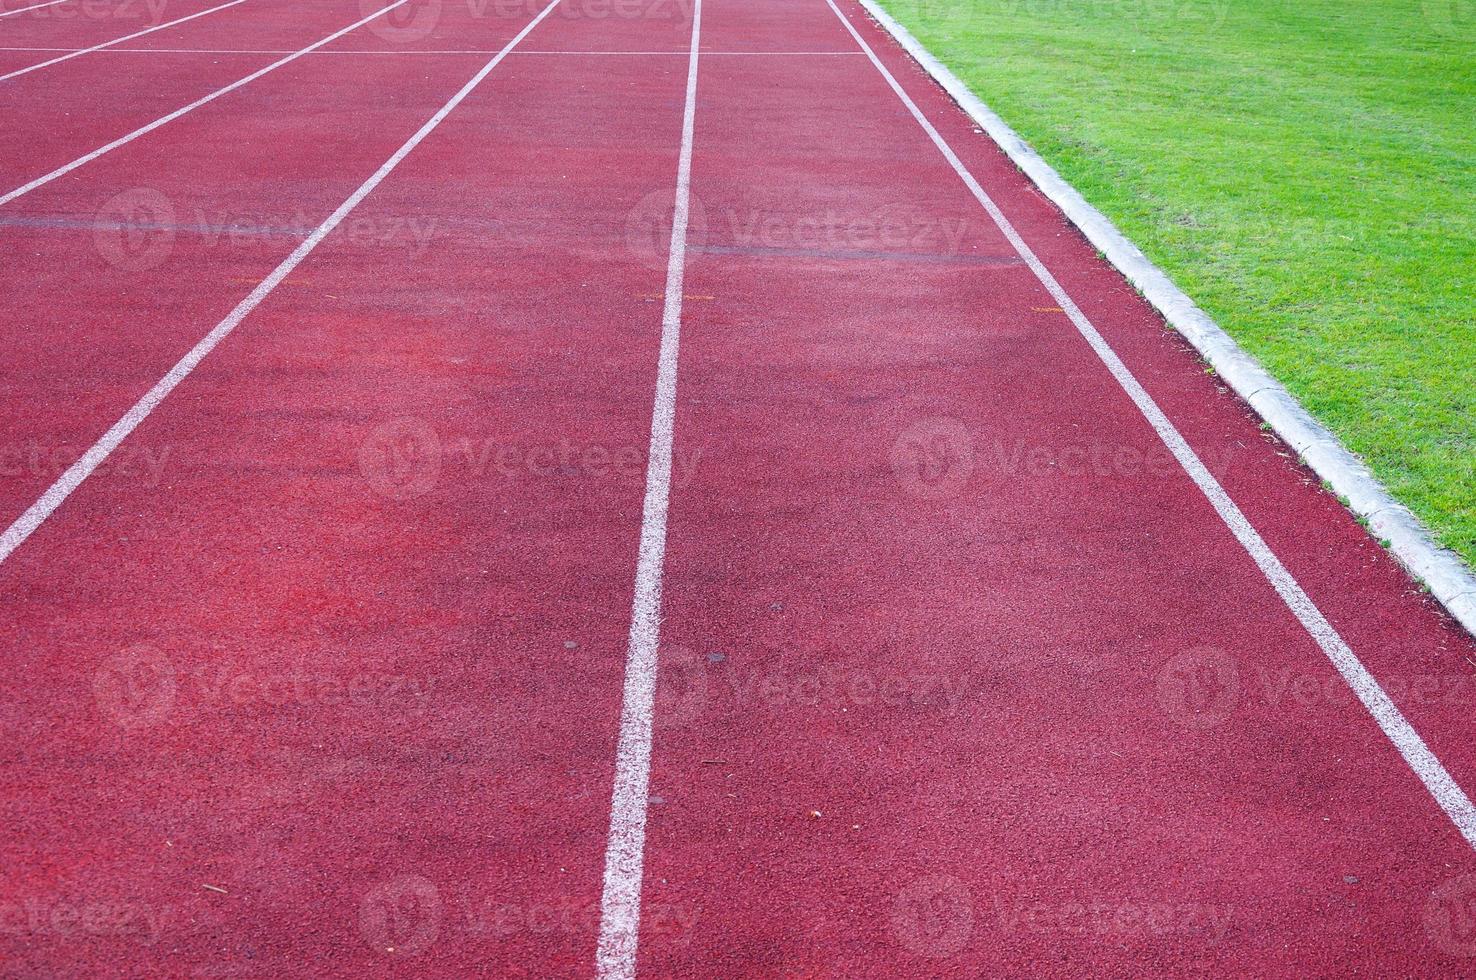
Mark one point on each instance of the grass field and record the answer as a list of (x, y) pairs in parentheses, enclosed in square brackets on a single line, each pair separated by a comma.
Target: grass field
[(1305, 169)]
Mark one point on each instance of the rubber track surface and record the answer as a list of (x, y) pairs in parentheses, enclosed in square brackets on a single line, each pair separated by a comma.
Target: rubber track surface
[(961, 675)]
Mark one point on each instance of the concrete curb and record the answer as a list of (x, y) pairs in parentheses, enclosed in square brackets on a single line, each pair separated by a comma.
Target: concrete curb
[(1446, 574)]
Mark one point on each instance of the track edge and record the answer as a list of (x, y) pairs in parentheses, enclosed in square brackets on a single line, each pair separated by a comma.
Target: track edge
[(1444, 572)]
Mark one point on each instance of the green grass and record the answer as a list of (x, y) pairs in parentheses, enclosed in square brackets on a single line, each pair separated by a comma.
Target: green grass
[(1304, 169)]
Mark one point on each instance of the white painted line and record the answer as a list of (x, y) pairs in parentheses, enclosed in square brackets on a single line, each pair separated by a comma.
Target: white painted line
[(58, 492), (1448, 576), (620, 903), (160, 50), (1426, 766), (37, 6), (67, 168), (108, 44)]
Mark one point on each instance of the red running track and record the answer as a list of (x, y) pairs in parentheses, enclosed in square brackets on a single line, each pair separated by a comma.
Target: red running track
[(960, 674)]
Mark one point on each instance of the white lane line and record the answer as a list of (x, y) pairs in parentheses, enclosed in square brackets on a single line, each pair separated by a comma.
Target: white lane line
[(67, 168), (53, 498), (620, 903), (1448, 576), (37, 6), (108, 44), (1396, 727)]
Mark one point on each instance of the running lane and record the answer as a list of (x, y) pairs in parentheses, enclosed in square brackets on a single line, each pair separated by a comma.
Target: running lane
[(32, 37), (58, 114), (121, 266), (337, 681), (960, 673), (74, 24)]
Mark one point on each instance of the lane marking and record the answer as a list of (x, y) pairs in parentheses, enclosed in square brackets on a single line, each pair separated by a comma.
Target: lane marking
[(620, 903), (108, 44), (81, 161), (21, 10), (53, 498), (1449, 578), (1391, 720)]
